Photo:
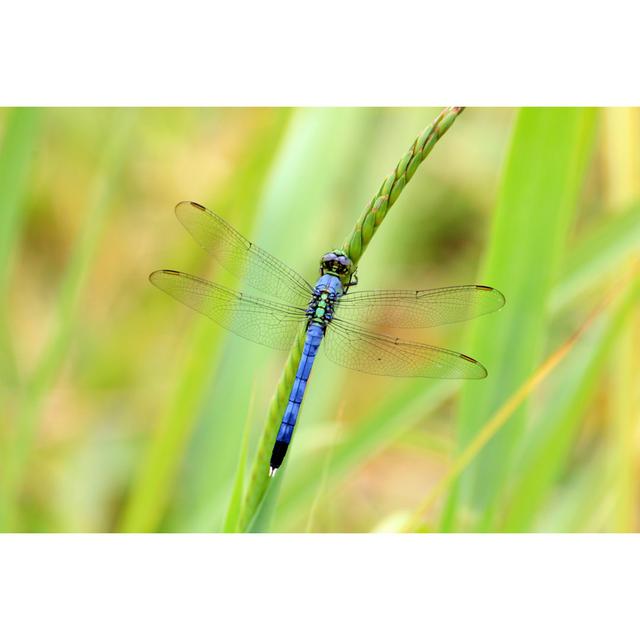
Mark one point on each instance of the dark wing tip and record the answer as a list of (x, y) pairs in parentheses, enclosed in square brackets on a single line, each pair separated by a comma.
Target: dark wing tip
[(188, 204), (479, 368), (155, 276), (499, 294)]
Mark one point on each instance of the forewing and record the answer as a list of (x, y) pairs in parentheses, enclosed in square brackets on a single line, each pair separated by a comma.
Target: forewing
[(269, 323), (419, 309), (381, 355), (241, 257)]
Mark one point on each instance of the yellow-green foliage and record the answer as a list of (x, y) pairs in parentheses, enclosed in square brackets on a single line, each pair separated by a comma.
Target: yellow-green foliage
[(122, 410)]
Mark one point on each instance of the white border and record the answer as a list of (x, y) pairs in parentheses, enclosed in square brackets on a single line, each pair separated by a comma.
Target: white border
[(314, 586), (406, 52)]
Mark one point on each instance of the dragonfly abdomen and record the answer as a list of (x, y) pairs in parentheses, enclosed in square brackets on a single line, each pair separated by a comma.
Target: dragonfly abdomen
[(320, 312), (315, 333)]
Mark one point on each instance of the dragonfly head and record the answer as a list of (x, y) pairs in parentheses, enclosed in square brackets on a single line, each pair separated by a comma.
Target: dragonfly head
[(337, 263)]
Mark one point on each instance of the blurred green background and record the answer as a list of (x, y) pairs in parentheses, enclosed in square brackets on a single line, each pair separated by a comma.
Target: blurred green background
[(121, 410)]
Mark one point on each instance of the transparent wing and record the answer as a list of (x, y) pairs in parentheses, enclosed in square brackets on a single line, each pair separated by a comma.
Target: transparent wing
[(269, 323), (241, 257), (354, 348), (419, 309)]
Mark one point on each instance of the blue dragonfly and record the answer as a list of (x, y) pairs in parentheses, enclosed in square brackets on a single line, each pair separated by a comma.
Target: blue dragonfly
[(330, 312)]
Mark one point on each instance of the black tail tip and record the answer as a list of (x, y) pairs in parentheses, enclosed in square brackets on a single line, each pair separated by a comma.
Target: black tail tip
[(277, 456)]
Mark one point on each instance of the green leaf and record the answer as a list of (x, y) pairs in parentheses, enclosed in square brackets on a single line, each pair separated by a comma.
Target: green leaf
[(535, 209), (613, 240), (301, 182), (553, 432), (153, 487), (355, 243), (232, 519)]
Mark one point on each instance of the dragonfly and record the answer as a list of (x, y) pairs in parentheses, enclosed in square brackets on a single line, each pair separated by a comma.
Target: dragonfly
[(330, 312)]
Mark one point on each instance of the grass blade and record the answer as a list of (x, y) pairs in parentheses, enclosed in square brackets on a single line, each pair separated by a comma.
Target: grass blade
[(554, 431), (232, 519), (152, 488), (500, 418), (300, 181), (598, 256), (536, 204), (354, 245)]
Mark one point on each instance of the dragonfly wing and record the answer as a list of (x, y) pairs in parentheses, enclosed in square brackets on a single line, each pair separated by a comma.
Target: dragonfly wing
[(381, 355), (269, 323), (241, 257), (419, 309)]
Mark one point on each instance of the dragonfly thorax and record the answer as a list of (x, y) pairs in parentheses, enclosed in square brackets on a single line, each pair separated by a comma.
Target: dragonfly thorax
[(322, 304)]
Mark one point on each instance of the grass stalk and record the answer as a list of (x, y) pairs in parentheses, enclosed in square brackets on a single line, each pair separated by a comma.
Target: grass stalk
[(509, 407), (235, 502), (355, 244), (549, 451), (391, 188), (487, 432), (534, 212)]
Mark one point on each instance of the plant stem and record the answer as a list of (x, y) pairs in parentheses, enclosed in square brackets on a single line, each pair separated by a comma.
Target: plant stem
[(358, 240), (354, 246)]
